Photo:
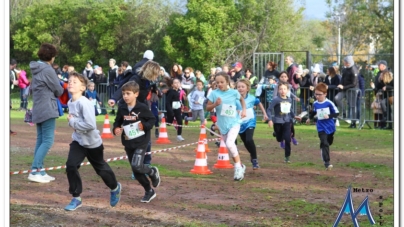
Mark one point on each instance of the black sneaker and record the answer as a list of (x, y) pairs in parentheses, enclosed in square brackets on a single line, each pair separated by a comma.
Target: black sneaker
[(155, 178), (156, 133), (211, 128), (217, 143), (148, 196)]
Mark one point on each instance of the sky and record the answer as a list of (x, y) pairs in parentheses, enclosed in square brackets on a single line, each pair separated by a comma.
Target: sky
[(315, 9)]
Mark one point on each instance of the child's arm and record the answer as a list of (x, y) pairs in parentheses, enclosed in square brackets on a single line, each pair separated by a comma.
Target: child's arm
[(243, 111), (88, 123), (116, 128), (269, 111), (147, 119), (263, 111)]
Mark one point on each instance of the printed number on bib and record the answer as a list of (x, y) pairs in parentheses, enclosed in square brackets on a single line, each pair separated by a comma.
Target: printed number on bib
[(322, 112), (228, 110), (201, 100), (285, 107), (132, 131), (249, 114), (176, 105)]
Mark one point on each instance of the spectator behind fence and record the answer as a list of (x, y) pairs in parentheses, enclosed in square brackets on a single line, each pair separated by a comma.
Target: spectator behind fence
[(349, 80), (176, 72), (302, 78), (332, 80), (23, 84), (92, 95), (187, 82), (377, 110), (46, 89), (111, 77), (88, 70), (361, 86), (253, 80), (291, 69), (385, 85)]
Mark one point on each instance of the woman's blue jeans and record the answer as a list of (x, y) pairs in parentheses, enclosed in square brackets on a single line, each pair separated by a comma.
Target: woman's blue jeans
[(24, 99), (45, 137)]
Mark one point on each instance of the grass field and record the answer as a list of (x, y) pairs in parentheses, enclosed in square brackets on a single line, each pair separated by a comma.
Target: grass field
[(299, 194)]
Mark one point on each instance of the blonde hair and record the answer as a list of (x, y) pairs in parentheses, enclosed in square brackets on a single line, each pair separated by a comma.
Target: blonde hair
[(246, 82), (150, 70), (386, 77), (90, 83)]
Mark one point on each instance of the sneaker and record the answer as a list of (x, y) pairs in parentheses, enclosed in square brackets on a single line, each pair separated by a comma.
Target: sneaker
[(73, 205), (348, 121), (239, 173), (133, 176), (282, 145), (213, 129), (294, 141), (12, 133), (217, 143), (115, 196), (179, 138), (287, 161), (46, 176), (156, 133), (273, 134), (156, 177), (148, 196), (329, 167), (38, 178), (337, 123), (255, 164)]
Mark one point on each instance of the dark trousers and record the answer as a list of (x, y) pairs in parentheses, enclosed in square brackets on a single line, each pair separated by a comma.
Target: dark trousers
[(326, 141), (147, 158), (139, 169), (292, 128), (247, 138), (95, 156), (282, 131), (178, 117)]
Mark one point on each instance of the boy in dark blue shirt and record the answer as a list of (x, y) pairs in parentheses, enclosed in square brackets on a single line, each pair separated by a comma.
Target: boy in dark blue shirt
[(326, 111)]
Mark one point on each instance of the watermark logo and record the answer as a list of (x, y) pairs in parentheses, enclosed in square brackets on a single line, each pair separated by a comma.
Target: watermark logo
[(348, 208)]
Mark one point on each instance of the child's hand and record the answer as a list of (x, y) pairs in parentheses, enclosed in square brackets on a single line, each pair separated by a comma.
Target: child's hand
[(298, 118), (140, 126), (90, 98), (270, 124), (118, 131), (100, 103), (243, 113), (218, 101), (265, 117), (297, 99), (308, 121), (69, 117), (325, 116)]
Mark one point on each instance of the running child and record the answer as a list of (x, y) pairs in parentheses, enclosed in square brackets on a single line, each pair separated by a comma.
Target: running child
[(224, 99), (86, 142), (326, 112), (197, 99), (136, 121), (283, 77), (280, 117), (173, 106), (249, 122), (92, 95)]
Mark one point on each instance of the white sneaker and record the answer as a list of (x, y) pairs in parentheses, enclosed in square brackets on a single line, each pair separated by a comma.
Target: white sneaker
[(179, 138), (348, 121), (337, 123), (239, 173), (38, 178), (49, 177)]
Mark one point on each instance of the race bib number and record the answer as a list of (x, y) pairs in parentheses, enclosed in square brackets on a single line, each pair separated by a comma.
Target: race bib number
[(322, 112), (201, 100), (228, 110), (132, 131), (176, 105), (285, 107), (249, 114), (94, 101)]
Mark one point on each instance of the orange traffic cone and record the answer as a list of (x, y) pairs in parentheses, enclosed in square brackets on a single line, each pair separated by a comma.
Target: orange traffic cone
[(202, 136), (201, 164), (106, 130), (163, 136), (223, 161)]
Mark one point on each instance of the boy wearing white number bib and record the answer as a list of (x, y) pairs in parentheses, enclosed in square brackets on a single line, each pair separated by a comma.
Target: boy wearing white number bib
[(225, 100), (134, 121), (326, 113), (280, 116)]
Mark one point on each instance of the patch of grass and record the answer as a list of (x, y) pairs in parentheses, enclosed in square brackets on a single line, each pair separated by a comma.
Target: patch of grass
[(381, 171), (265, 190), (169, 172)]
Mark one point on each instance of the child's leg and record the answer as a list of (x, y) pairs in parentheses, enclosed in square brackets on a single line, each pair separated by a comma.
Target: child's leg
[(247, 138), (194, 115), (139, 169), (286, 138), (96, 157), (278, 132), (178, 117), (201, 115), (230, 139), (325, 148), (292, 129), (75, 157)]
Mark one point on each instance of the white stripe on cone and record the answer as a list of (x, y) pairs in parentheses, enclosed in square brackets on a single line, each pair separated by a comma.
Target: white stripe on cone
[(163, 135), (201, 162)]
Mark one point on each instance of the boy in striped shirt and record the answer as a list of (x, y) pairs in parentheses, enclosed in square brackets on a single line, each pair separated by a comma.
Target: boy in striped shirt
[(326, 112)]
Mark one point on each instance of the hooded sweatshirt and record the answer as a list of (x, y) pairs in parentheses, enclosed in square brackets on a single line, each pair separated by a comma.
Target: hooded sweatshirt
[(46, 88)]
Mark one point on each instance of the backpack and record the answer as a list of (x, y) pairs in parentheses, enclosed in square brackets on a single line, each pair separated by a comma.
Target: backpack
[(28, 116)]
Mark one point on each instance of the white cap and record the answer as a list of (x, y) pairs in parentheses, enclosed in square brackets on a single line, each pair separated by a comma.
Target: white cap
[(148, 54)]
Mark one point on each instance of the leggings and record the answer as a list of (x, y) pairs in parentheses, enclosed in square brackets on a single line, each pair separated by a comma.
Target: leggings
[(282, 131), (178, 118), (247, 138), (230, 139)]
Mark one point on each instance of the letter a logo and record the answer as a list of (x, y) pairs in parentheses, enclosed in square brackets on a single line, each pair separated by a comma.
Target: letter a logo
[(348, 208)]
